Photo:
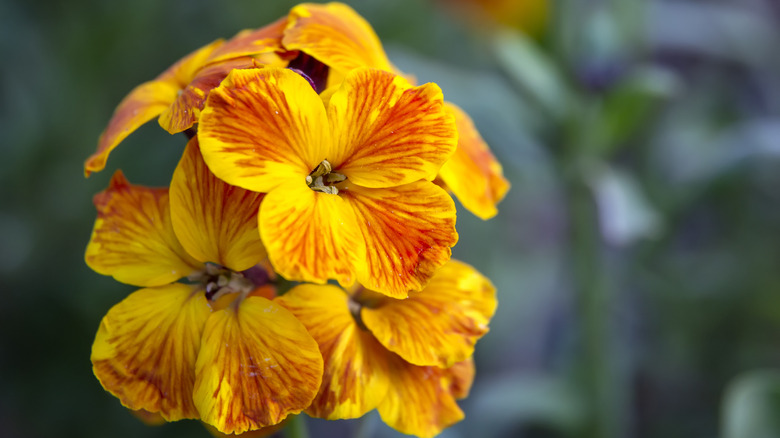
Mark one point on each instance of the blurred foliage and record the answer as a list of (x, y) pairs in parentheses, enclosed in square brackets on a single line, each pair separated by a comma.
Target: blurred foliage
[(635, 255)]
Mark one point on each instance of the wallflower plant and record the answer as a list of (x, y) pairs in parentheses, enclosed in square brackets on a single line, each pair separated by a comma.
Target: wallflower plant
[(311, 159)]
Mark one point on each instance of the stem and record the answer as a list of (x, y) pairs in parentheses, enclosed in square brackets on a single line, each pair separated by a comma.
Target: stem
[(601, 377), (366, 425), (296, 427), (594, 304)]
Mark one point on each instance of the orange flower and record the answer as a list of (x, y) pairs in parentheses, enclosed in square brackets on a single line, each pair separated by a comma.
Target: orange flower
[(177, 95), (323, 41), (337, 36), (214, 349), (410, 359), (349, 195)]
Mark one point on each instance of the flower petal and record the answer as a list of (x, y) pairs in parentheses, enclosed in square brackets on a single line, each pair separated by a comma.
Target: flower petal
[(251, 42), (419, 401), (473, 173), (214, 221), (461, 376), (387, 133), (144, 352), (257, 365), (440, 324), (146, 102), (133, 239), (262, 127), (356, 377), (185, 110), (408, 232), (310, 236), (336, 35)]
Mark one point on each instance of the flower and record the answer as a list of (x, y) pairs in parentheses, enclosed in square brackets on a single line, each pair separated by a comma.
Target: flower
[(216, 349), (177, 95), (410, 359), (340, 38), (325, 42), (348, 185)]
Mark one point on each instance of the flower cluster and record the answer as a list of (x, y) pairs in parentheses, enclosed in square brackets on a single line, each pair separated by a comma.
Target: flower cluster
[(311, 159)]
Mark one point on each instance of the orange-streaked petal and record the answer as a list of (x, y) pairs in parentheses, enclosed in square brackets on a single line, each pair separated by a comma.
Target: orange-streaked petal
[(440, 324), (145, 350), (146, 102), (185, 110), (262, 127), (259, 433), (387, 133), (149, 418), (310, 236), (419, 401), (214, 221), (408, 232), (133, 239), (257, 365), (356, 375), (461, 375), (336, 35), (473, 173), (251, 42)]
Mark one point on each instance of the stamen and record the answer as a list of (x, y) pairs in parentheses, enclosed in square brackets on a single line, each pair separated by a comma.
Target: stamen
[(323, 178)]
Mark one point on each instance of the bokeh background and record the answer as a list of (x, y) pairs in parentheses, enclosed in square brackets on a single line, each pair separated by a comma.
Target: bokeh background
[(636, 256)]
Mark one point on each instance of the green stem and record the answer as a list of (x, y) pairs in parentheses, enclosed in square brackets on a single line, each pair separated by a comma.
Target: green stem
[(594, 304), (296, 427), (366, 425), (601, 377)]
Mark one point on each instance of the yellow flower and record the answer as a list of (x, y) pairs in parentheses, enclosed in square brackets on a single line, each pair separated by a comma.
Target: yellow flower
[(177, 95), (325, 42), (337, 36), (410, 359), (349, 196), (216, 349)]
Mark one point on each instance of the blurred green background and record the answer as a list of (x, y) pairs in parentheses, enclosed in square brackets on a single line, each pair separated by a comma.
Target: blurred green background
[(635, 257)]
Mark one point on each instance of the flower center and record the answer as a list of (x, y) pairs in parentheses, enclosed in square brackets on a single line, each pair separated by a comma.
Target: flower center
[(219, 281), (324, 179)]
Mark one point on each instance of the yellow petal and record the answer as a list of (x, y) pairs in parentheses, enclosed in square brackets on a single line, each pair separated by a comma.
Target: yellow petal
[(473, 173), (461, 375), (419, 401), (356, 377), (259, 433), (251, 42), (336, 35), (144, 352), (440, 324), (183, 112), (257, 365), (214, 221), (262, 127), (149, 418), (408, 232), (133, 239), (310, 236), (387, 133), (146, 102)]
